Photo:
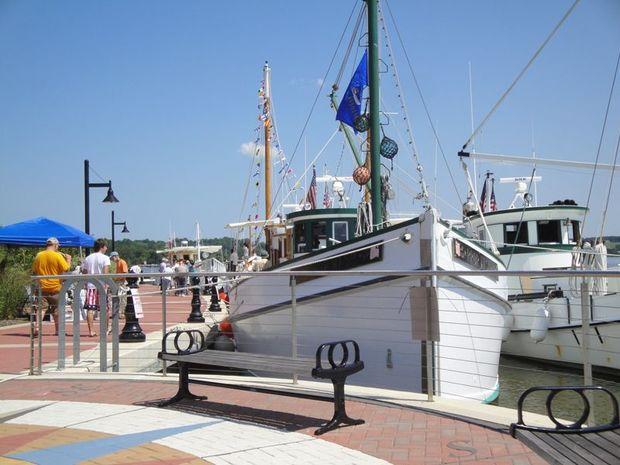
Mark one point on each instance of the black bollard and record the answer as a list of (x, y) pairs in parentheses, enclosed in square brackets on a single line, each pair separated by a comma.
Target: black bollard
[(215, 301), (132, 332), (195, 315)]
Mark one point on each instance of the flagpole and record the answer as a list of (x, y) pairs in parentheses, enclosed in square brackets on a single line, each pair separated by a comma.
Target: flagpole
[(375, 129), (267, 124)]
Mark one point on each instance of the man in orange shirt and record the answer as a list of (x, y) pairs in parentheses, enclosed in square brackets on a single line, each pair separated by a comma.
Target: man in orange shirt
[(51, 262)]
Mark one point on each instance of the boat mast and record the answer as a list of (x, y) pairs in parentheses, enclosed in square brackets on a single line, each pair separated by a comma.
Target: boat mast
[(267, 161), (375, 128)]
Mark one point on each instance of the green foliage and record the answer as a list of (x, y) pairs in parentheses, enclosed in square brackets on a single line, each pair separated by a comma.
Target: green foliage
[(15, 265)]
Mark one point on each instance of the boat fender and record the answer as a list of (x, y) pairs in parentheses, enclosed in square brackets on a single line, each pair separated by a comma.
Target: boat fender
[(509, 322), (540, 324), (224, 343)]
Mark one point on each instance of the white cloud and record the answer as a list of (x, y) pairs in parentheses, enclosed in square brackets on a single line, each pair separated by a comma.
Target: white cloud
[(250, 148), (306, 82)]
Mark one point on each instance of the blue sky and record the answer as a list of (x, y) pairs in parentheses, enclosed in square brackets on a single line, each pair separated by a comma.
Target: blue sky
[(161, 96)]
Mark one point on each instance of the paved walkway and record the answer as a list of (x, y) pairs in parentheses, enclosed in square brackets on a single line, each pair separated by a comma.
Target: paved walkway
[(15, 340), (67, 421)]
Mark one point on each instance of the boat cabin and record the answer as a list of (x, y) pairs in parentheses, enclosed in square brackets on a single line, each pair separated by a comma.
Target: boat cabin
[(321, 228), (553, 226)]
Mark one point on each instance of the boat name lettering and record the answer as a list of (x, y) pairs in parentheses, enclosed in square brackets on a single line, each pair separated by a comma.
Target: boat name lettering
[(470, 255)]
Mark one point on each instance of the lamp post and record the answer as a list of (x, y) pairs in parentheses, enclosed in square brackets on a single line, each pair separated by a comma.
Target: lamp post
[(109, 198), (117, 223)]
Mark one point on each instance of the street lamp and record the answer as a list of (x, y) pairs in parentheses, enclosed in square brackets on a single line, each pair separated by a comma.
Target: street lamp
[(109, 198), (118, 223)]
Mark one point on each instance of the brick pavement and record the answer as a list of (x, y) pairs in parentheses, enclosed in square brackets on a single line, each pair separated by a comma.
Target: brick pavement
[(395, 434)]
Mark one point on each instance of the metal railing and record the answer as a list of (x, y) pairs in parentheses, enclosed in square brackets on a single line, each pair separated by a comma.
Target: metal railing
[(287, 303)]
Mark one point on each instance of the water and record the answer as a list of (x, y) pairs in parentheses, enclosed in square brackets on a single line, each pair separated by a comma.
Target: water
[(517, 375)]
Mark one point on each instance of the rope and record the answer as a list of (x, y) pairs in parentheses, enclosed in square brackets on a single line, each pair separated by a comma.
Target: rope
[(521, 74), (611, 180), (598, 150), (350, 46), (316, 98), (426, 110), (401, 96)]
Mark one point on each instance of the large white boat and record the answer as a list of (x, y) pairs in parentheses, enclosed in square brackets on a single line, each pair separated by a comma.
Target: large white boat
[(407, 328), (546, 315)]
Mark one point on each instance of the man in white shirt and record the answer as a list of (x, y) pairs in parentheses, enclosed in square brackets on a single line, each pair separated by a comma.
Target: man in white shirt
[(96, 263)]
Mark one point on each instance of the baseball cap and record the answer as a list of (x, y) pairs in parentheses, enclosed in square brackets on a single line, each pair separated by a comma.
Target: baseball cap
[(114, 254), (51, 241)]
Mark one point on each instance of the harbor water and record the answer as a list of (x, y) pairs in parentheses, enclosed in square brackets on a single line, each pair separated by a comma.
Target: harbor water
[(516, 375)]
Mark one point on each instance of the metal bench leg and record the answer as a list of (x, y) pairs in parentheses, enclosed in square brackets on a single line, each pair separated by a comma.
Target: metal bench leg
[(340, 413), (183, 392)]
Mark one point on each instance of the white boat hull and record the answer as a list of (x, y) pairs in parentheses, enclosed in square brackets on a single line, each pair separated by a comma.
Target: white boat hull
[(376, 312), (564, 338)]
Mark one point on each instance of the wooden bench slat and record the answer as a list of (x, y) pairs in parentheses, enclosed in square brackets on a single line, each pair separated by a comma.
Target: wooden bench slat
[(603, 443), (612, 439), (569, 443), (584, 440), (269, 363), (540, 445)]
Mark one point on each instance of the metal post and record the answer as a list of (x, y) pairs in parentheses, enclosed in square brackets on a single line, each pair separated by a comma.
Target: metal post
[(585, 342), (113, 245), (60, 312), (294, 323), (40, 324), (103, 330), (163, 320), (77, 316), (195, 315), (86, 202), (115, 335), (32, 330), (375, 127)]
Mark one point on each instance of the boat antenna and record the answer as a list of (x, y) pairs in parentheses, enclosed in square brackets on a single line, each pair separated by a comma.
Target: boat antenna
[(520, 75)]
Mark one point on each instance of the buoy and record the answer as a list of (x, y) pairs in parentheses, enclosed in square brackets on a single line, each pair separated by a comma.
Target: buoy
[(509, 322), (540, 324), (224, 343)]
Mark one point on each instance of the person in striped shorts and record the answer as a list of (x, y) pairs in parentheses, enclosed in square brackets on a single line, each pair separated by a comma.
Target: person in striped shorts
[(96, 263)]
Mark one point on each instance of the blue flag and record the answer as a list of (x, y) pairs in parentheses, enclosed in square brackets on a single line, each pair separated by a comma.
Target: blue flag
[(351, 104)]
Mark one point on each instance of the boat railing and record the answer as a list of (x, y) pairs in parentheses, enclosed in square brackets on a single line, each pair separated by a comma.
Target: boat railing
[(139, 317)]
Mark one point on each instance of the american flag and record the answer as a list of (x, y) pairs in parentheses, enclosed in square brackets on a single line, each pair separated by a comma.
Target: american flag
[(483, 197), (493, 203), (327, 199), (311, 195)]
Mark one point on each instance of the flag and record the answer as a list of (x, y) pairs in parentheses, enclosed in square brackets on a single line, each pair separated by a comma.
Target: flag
[(327, 199), (311, 195), (351, 104), (483, 197), (493, 203)]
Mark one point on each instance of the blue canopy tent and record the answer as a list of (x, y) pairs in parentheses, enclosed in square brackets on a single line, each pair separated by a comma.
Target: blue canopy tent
[(35, 232)]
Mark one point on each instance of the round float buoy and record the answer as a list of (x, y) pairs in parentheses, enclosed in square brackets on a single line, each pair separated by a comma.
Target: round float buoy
[(540, 325)]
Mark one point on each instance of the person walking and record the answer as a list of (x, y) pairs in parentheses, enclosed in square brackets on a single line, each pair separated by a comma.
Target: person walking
[(234, 258), (120, 266), (96, 263), (51, 262)]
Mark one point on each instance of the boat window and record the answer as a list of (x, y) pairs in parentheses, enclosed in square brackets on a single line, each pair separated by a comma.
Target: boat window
[(319, 235), (340, 231), (573, 231), (300, 238), (549, 231), (510, 233)]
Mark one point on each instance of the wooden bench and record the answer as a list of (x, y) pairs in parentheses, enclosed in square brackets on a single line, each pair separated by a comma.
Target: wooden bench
[(573, 443), (190, 348)]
